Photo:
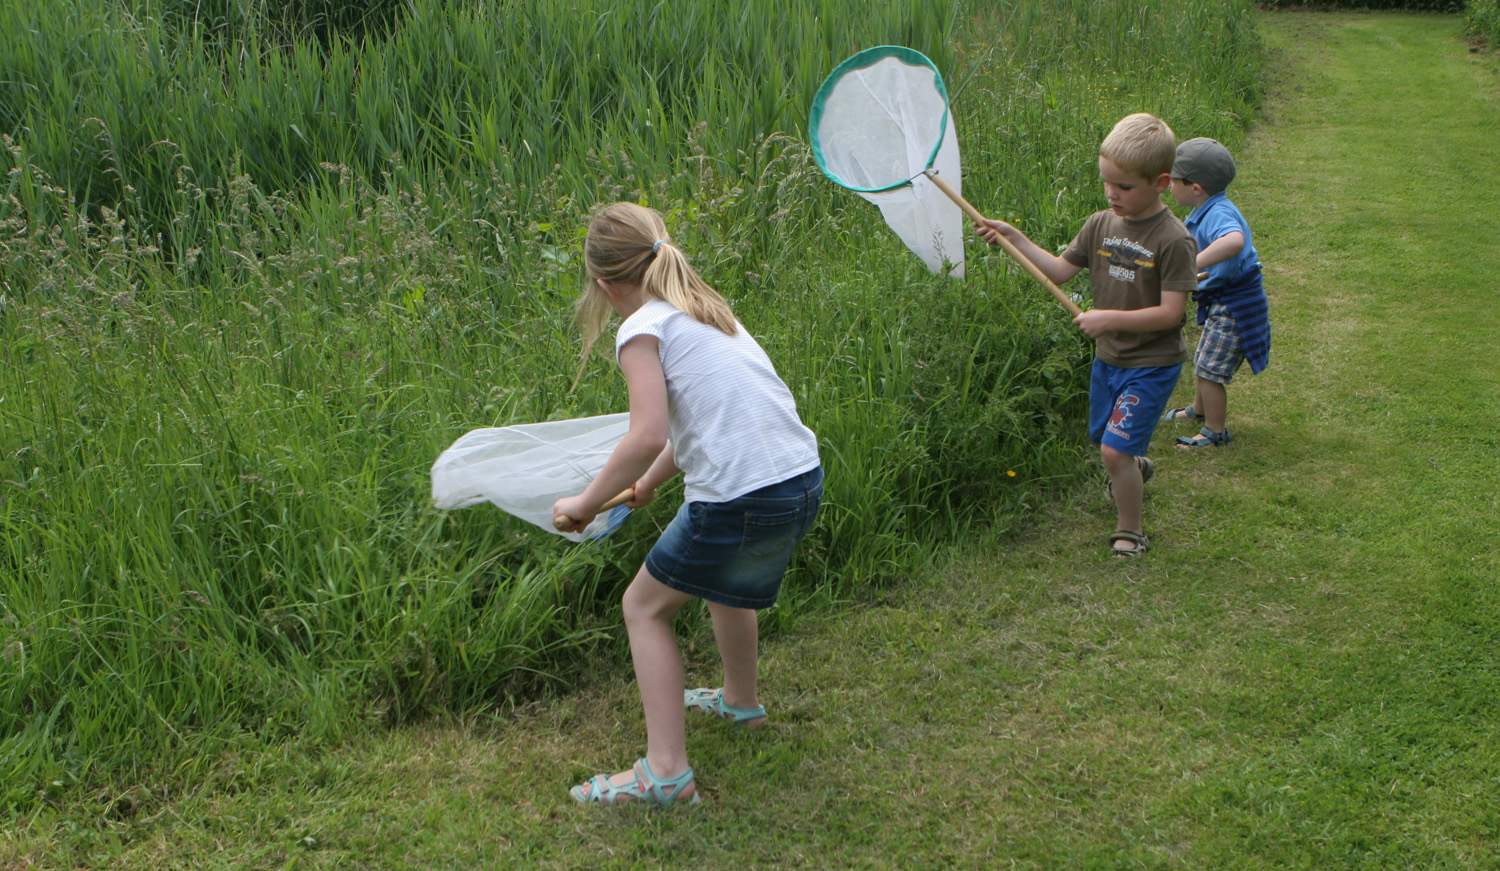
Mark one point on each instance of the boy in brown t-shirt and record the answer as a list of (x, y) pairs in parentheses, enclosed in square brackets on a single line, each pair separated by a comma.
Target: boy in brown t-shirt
[(1141, 263)]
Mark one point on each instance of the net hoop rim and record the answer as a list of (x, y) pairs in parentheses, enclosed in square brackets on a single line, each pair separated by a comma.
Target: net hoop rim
[(859, 60)]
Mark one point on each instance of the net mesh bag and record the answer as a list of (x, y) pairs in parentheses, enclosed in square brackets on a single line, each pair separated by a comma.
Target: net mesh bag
[(524, 469), (878, 123)]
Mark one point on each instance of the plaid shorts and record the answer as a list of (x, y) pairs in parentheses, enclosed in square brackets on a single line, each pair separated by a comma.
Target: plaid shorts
[(1219, 354)]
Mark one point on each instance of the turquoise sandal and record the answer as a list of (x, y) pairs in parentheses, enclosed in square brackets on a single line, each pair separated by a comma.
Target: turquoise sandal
[(646, 787), (712, 701), (1204, 439)]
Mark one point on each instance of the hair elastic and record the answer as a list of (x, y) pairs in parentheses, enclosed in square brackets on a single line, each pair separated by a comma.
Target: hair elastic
[(655, 247)]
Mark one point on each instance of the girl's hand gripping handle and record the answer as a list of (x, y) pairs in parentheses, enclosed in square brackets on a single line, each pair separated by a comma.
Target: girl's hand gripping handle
[(564, 523)]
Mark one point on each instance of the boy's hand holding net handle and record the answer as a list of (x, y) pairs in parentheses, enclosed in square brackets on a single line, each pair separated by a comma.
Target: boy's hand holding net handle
[(564, 523), (1011, 249)]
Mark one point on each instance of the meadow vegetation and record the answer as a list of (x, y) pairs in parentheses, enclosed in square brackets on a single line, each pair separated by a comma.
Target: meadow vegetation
[(1482, 20), (259, 266)]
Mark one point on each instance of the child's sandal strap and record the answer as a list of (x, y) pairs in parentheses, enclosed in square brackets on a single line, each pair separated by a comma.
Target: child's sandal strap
[(1137, 543), (645, 787), (712, 701), (664, 791), (1204, 439)]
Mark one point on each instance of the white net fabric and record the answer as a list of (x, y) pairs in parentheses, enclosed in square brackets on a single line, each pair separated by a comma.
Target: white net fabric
[(879, 124), (876, 127), (524, 469), (930, 223)]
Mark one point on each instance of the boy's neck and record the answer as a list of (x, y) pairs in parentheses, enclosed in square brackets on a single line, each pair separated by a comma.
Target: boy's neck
[(1150, 212)]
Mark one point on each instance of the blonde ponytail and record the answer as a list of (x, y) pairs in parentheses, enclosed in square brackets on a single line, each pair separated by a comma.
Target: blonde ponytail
[(628, 244)]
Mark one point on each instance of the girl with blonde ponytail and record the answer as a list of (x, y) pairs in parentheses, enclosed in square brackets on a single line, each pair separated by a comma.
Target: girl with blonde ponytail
[(704, 400), (628, 244)]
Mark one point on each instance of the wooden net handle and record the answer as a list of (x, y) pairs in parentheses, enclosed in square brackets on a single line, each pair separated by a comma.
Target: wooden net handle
[(1011, 249), (561, 522)]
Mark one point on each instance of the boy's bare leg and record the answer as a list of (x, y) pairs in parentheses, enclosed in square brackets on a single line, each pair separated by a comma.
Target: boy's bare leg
[(737, 632), (1125, 482), (1213, 403)]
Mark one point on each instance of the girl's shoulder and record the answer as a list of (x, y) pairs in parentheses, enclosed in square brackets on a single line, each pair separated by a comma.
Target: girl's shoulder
[(665, 321), (653, 312), (651, 319)]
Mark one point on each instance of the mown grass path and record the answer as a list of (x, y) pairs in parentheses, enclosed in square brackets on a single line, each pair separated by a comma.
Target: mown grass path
[(1302, 674)]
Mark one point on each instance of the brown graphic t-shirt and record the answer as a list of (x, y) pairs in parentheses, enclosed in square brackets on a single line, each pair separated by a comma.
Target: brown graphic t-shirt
[(1130, 262)]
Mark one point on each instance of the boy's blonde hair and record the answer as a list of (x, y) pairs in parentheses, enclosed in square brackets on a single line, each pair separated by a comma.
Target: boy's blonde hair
[(622, 248), (1141, 144)]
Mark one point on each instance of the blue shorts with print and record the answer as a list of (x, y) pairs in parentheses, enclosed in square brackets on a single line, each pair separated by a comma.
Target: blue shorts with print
[(735, 553), (1125, 404)]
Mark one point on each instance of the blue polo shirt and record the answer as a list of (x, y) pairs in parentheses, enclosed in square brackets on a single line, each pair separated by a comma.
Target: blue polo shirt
[(1214, 219)]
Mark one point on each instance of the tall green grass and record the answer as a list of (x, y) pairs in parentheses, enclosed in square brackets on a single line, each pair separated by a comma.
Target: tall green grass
[(253, 280), (111, 100), (1482, 20)]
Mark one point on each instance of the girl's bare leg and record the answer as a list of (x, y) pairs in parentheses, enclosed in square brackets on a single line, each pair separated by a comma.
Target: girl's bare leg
[(737, 632), (649, 607)]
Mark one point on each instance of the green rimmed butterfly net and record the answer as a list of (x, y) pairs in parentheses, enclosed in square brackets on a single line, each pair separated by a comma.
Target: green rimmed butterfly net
[(879, 124)]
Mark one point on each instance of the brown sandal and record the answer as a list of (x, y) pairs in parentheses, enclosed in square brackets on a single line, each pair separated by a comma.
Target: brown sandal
[(1136, 543)]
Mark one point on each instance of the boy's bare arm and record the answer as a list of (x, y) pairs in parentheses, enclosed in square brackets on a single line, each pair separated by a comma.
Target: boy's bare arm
[(1052, 266), (1097, 321), (1221, 249)]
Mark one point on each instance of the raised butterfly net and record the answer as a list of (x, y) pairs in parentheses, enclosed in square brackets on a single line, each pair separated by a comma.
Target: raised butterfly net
[(880, 126), (524, 469), (879, 122)]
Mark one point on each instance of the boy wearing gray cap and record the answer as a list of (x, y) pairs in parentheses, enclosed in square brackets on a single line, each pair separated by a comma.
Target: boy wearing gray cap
[(1231, 301)]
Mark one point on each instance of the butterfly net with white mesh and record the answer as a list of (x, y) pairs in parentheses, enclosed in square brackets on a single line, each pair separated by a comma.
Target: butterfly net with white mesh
[(878, 123)]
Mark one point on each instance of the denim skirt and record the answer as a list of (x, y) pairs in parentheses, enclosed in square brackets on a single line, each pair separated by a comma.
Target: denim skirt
[(735, 553)]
